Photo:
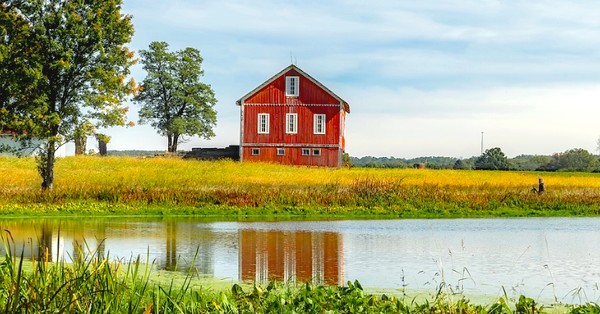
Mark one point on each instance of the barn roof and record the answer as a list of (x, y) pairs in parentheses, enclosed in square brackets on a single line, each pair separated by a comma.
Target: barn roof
[(294, 67)]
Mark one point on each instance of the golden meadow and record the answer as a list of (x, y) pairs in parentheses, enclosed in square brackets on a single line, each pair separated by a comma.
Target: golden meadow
[(172, 186)]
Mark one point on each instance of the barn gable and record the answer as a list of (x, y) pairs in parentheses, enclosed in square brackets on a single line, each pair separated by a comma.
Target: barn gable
[(292, 119), (273, 90)]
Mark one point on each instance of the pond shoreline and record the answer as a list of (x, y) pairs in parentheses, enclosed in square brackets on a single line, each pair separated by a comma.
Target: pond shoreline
[(86, 208)]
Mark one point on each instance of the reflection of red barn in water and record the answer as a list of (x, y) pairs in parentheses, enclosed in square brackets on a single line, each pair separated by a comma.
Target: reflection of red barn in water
[(291, 256)]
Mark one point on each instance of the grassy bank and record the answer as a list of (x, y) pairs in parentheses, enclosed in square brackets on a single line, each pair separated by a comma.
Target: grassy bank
[(170, 186)]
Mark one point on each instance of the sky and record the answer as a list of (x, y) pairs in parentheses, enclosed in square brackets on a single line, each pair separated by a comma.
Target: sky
[(423, 78)]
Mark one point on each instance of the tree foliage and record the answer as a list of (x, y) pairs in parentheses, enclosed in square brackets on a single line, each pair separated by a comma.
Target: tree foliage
[(530, 162), (174, 100), (70, 66), (576, 159), (571, 160), (19, 71), (492, 159), (81, 134), (431, 162), (459, 165)]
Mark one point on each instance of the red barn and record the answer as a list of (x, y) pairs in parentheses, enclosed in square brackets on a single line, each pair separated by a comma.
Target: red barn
[(293, 119)]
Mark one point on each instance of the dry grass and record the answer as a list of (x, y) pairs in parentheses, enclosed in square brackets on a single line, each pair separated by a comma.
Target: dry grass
[(172, 181)]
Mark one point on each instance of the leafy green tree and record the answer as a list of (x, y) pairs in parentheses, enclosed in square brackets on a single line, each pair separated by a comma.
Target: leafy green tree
[(347, 160), (531, 162), (459, 165), (81, 134), (174, 100), (492, 159), (19, 71), (576, 159), (77, 64)]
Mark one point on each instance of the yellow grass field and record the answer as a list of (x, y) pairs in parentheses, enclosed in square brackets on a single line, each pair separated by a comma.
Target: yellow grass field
[(173, 182)]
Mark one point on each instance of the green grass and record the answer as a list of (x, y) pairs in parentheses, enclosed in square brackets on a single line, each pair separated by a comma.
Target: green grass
[(171, 186)]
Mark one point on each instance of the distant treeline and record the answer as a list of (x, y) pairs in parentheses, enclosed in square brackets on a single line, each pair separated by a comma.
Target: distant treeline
[(570, 160), (493, 159), (434, 162), (135, 153)]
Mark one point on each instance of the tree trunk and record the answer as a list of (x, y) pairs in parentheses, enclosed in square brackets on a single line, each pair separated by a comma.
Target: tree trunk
[(174, 144), (80, 145), (102, 148), (46, 166), (169, 142)]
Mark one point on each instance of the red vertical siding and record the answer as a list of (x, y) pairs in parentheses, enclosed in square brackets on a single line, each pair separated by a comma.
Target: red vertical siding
[(248, 240), (274, 93), (304, 256), (297, 253), (312, 99), (276, 256), (305, 133), (293, 156), (333, 255)]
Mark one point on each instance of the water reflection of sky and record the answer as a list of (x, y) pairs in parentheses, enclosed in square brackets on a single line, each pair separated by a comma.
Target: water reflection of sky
[(542, 257)]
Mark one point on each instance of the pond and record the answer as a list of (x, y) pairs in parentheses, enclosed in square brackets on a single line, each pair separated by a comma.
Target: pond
[(550, 259)]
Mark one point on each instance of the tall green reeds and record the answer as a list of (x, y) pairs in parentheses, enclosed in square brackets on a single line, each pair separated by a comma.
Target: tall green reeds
[(89, 284), (93, 283)]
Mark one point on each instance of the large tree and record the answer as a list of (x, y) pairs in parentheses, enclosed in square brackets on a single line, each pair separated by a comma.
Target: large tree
[(76, 64), (492, 159), (174, 100)]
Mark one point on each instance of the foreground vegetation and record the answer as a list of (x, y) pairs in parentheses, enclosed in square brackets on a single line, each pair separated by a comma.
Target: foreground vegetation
[(95, 284), (171, 186)]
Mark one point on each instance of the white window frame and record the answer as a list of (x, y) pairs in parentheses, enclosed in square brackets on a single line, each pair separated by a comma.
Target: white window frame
[(255, 152), (263, 123), (280, 151), (316, 152), (306, 152), (292, 86), (319, 123), (291, 123)]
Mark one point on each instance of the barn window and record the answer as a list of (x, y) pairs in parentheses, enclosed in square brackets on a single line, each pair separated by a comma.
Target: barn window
[(316, 152), (319, 124), (263, 123), (306, 152), (255, 151), (280, 151), (292, 85), (291, 123)]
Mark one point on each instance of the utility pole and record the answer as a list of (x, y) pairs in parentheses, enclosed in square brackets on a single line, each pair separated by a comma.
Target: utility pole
[(482, 143)]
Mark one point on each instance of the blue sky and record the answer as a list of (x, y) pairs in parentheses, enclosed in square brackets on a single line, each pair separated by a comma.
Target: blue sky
[(423, 78)]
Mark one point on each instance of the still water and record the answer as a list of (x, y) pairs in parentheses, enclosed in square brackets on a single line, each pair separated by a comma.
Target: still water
[(545, 258)]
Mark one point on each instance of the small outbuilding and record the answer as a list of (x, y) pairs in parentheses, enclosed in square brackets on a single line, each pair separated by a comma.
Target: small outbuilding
[(8, 140), (293, 119)]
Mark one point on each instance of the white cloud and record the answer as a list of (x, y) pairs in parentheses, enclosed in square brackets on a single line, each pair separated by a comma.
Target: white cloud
[(423, 77), (542, 120)]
